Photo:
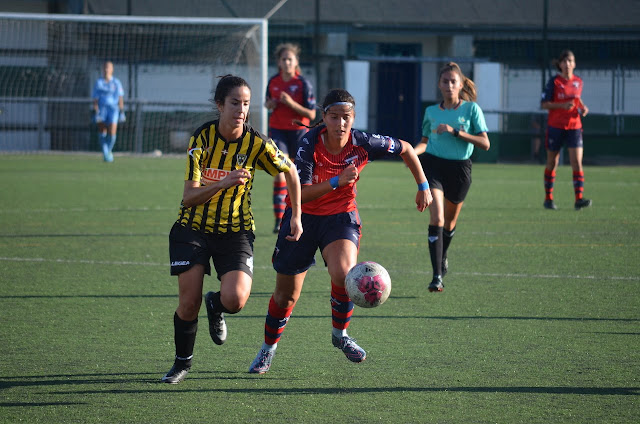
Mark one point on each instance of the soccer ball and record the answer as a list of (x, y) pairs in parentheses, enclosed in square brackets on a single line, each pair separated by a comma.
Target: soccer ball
[(368, 284)]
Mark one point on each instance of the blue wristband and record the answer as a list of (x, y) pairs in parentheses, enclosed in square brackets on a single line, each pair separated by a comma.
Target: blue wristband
[(334, 182), (423, 186)]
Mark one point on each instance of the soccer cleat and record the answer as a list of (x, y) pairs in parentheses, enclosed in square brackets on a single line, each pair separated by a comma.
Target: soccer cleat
[(262, 363), (217, 325), (352, 351), (582, 203), (276, 227), (548, 204), (445, 266), (176, 374), (436, 284)]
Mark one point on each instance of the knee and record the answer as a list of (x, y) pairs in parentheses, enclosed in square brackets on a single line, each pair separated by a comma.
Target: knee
[(284, 300), (188, 309), (235, 305)]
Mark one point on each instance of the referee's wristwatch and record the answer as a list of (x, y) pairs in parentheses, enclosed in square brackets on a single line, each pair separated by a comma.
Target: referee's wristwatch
[(456, 132)]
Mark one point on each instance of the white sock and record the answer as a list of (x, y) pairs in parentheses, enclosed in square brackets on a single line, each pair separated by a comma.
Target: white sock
[(339, 333), (268, 347)]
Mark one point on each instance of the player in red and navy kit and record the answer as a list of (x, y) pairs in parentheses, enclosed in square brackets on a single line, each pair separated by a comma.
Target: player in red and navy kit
[(329, 159), (293, 105), (562, 98)]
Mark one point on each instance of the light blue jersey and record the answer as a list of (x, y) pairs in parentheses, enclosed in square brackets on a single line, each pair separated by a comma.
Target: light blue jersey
[(467, 117), (107, 92)]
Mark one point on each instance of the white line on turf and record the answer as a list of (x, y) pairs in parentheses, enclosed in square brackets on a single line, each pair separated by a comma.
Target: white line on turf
[(476, 274)]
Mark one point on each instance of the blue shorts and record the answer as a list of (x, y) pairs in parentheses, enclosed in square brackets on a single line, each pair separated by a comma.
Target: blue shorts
[(295, 257), (287, 140), (108, 114), (557, 137)]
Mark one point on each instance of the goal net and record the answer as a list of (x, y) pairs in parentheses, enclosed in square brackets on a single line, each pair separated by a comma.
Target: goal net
[(168, 68)]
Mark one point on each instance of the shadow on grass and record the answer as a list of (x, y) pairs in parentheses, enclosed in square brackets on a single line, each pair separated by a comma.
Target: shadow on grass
[(32, 404), (199, 377), (184, 388)]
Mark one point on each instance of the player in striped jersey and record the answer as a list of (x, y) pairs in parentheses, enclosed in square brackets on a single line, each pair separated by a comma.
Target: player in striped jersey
[(329, 158), (562, 98), (215, 219)]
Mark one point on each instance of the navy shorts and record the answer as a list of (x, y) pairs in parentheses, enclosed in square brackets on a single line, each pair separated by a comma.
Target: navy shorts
[(287, 140), (452, 177), (557, 137), (295, 257), (229, 251)]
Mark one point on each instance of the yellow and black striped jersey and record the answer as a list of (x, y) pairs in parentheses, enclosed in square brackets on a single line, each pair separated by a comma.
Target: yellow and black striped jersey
[(210, 158)]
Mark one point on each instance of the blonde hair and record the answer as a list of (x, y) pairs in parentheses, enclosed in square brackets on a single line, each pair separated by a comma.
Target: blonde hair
[(468, 91), (293, 48)]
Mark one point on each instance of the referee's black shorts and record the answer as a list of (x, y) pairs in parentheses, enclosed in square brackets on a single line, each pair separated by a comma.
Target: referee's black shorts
[(452, 177), (229, 251)]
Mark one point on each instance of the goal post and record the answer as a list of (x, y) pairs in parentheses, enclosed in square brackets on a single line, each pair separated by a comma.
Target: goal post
[(168, 67)]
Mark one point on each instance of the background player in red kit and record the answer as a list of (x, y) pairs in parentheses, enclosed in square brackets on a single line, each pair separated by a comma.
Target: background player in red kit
[(329, 159), (562, 98), (293, 105)]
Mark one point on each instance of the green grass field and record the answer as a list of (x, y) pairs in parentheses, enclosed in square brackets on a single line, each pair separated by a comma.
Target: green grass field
[(539, 321)]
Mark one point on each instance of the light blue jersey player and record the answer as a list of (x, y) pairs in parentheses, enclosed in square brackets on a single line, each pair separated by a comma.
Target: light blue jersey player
[(108, 106)]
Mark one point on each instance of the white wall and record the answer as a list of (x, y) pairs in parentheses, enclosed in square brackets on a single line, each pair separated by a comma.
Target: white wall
[(356, 74)]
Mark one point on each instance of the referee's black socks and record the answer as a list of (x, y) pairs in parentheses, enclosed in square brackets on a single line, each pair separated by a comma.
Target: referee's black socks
[(436, 248), (446, 240)]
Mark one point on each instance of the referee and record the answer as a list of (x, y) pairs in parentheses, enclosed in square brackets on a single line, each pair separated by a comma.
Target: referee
[(215, 219), (450, 132)]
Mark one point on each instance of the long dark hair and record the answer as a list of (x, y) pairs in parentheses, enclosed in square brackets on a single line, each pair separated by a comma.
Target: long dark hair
[(563, 55)]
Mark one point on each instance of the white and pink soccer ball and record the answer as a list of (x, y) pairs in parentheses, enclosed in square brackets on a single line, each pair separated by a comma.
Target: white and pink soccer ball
[(368, 284)]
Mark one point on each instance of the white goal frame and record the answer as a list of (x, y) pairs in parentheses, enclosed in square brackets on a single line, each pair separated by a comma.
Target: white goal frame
[(255, 26)]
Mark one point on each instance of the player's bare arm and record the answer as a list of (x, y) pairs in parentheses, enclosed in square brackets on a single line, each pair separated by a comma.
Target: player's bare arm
[(297, 107), (195, 194), (557, 105), (480, 141), (293, 187), (408, 155), (422, 146)]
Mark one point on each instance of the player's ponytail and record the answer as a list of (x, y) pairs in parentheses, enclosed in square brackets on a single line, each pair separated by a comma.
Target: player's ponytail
[(468, 91)]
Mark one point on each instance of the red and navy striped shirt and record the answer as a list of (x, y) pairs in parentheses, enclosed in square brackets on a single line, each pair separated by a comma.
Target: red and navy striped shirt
[(315, 165), (560, 90)]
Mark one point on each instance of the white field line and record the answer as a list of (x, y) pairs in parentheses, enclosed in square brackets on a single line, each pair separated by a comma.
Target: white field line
[(475, 274), (115, 209)]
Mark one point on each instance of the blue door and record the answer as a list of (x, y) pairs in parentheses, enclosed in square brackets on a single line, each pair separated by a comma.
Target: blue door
[(399, 100)]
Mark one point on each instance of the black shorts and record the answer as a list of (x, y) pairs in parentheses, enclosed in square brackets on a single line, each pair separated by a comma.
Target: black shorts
[(229, 251), (287, 140), (295, 257), (452, 177), (556, 138)]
